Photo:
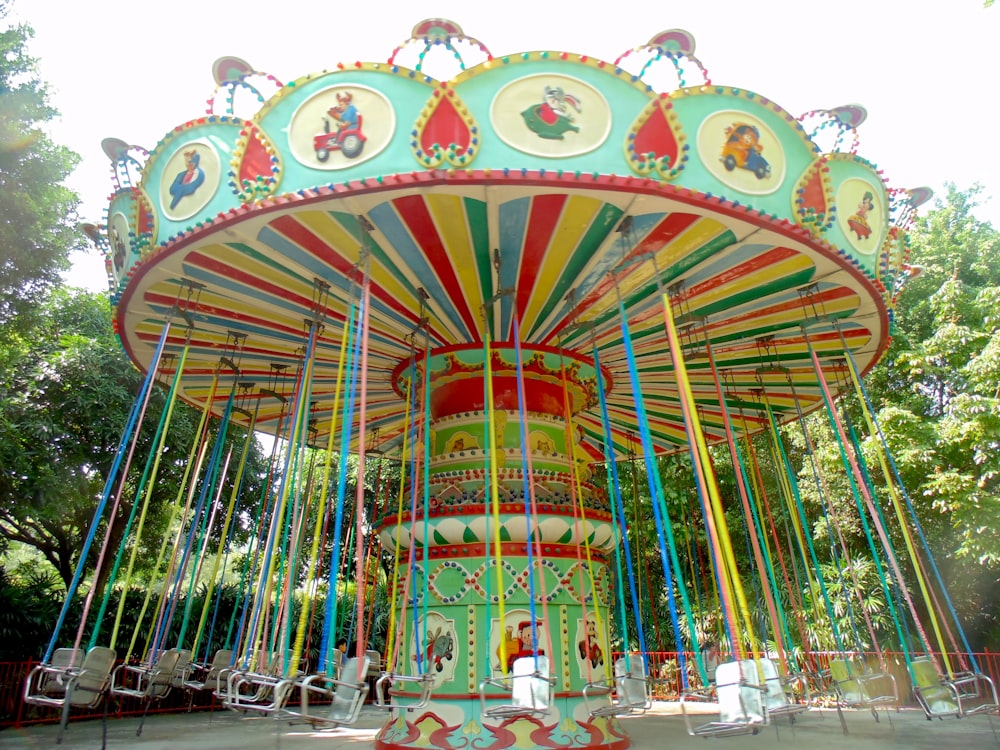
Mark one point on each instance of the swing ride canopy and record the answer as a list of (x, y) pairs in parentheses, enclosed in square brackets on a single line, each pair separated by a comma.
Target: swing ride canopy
[(543, 191)]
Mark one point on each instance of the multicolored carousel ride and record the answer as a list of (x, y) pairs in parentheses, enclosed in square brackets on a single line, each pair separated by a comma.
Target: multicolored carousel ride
[(510, 278)]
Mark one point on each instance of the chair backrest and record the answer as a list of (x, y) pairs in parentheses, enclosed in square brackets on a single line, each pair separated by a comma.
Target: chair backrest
[(774, 692), (161, 678), (222, 659), (925, 673), (67, 658), (845, 672), (275, 664), (182, 668), (355, 670), (530, 687), (95, 673), (937, 698), (632, 680), (349, 693), (52, 682), (374, 663), (214, 678), (737, 687)]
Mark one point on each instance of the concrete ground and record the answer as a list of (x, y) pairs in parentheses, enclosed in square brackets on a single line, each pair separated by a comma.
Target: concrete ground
[(663, 727)]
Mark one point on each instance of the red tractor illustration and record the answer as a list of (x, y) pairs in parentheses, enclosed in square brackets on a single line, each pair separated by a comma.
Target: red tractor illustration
[(344, 133), (742, 149)]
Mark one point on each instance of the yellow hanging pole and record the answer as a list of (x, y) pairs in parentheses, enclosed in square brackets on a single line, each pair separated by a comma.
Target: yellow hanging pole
[(126, 584), (312, 566), (898, 509), (579, 507), (729, 573), (191, 466), (496, 444)]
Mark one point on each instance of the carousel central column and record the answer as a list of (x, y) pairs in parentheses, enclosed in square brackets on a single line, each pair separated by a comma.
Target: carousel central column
[(456, 633)]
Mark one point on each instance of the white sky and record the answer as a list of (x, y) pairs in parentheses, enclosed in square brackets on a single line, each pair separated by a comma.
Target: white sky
[(924, 69)]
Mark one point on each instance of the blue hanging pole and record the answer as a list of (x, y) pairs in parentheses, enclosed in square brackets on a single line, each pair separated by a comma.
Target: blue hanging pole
[(276, 516), (106, 493), (613, 467), (664, 526), (414, 493), (330, 611)]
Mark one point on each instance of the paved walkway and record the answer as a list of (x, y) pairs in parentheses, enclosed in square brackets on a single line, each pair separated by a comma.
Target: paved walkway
[(663, 727)]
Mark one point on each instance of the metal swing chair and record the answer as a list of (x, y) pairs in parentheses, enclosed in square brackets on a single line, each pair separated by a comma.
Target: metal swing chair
[(627, 692), (263, 692), (67, 682), (391, 683), (963, 694), (527, 689), (211, 676), (151, 682), (777, 691), (48, 680), (855, 686), (345, 695), (740, 696)]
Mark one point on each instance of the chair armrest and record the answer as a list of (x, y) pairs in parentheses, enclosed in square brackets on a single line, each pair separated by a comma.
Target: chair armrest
[(325, 685), (389, 678), (705, 693), (598, 688)]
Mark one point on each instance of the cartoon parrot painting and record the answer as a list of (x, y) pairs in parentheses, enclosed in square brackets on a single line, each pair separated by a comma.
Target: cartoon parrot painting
[(553, 117)]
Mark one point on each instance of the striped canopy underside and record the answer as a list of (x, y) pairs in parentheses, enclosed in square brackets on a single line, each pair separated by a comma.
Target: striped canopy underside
[(569, 264)]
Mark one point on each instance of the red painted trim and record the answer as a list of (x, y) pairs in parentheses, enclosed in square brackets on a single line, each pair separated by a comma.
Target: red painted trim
[(500, 346), (511, 550)]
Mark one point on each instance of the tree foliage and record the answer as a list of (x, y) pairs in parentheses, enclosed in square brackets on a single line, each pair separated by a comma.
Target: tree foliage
[(949, 355), (63, 405), (37, 213), (937, 400)]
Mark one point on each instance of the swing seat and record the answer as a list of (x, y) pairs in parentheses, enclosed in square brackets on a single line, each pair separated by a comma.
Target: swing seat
[(777, 695), (212, 676), (528, 686), (261, 692), (375, 665), (66, 681), (965, 694), (390, 680), (152, 683), (83, 686), (182, 670), (740, 697), (628, 693), (856, 687), (977, 693), (49, 680), (346, 695), (234, 679)]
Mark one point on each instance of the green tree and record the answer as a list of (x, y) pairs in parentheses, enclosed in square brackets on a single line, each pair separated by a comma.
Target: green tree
[(64, 402), (949, 325), (37, 213), (937, 399)]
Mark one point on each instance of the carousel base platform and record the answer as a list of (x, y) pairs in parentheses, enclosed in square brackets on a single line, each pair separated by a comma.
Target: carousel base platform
[(663, 727)]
